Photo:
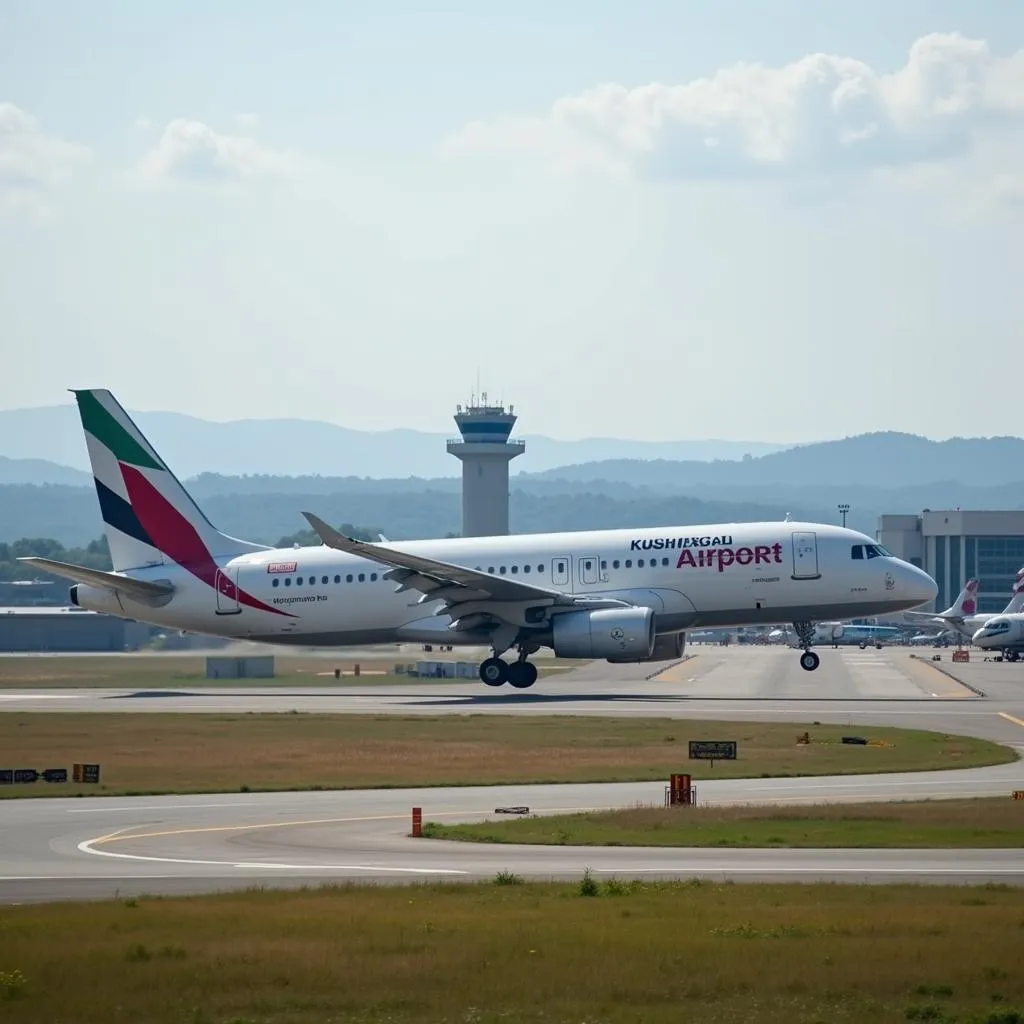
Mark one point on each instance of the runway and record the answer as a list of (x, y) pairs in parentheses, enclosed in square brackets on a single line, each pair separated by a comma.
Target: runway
[(88, 848)]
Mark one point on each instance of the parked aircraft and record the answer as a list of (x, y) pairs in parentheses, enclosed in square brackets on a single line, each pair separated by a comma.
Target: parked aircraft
[(1002, 633), (848, 633), (622, 595), (963, 615)]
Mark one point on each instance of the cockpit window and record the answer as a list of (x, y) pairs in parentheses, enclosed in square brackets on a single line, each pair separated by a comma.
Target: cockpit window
[(857, 551), (993, 628), (883, 551)]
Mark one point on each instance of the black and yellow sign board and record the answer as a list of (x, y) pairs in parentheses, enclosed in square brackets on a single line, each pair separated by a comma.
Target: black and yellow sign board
[(713, 750), (21, 776), (85, 772)]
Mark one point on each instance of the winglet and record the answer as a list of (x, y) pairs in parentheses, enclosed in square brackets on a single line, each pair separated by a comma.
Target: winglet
[(331, 537)]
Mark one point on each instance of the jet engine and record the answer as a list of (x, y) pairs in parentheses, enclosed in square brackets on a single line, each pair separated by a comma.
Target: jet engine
[(667, 647), (625, 634)]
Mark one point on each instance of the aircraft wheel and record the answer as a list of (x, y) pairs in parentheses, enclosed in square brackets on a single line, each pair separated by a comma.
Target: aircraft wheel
[(494, 671), (522, 674), (809, 661)]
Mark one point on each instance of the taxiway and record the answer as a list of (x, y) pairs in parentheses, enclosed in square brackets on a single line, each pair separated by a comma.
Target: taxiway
[(98, 847)]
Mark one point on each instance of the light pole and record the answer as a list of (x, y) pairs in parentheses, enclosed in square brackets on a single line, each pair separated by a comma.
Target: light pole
[(843, 509)]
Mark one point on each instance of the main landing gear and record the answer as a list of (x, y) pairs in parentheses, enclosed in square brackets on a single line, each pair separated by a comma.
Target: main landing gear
[(521, 673), (809, 661)]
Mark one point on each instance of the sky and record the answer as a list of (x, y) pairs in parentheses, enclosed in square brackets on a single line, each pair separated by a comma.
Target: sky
[(770, 221)]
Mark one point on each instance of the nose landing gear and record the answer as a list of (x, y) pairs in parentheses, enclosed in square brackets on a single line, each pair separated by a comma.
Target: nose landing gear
[(809, 661)]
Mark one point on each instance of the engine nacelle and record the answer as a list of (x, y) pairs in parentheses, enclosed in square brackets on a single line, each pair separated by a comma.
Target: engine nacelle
[(667, 647), (625, 634)]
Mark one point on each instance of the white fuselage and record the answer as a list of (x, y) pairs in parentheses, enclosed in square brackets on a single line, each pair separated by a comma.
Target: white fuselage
[(1001, 633), (702, 576)]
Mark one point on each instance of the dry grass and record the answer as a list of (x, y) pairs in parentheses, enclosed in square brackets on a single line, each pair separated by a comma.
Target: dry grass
[(156, 671), (176, 753), (656, 953), (994, 822)]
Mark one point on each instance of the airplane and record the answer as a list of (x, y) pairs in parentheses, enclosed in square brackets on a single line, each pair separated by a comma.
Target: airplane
[(623, 595), (1002, 633), (963, 616), (930, 639), (848, 633)]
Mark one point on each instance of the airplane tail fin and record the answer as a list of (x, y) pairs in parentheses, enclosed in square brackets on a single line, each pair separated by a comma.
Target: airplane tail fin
[(149, 518), (966, 603), (1016, 595)]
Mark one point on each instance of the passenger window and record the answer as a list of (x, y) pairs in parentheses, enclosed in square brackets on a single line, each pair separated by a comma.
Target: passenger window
[(324, 579), (526, 568), (604, 565), (362, 577), (502, 570), (337, 579), (615, 564), (490, 569), (298, 581), (857, 551), (277, 582), (540, 568), (373, 577), (664, 561), (629, 563), (515, 569), (348, 578), (287, 581)]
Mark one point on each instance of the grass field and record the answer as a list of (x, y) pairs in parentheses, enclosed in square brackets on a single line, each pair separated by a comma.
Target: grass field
[(544, 954), (155, 671), (993, 822), (179, 753)]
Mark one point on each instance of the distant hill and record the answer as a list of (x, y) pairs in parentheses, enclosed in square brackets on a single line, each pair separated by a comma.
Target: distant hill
[(298, 447), (881, 460), (39, 471), (71, 515)]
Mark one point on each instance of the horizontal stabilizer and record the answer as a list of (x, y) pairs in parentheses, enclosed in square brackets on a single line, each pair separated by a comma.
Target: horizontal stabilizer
[(140, 590)]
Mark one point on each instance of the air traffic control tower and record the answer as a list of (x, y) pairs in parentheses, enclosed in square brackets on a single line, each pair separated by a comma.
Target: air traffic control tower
[(485, 452)]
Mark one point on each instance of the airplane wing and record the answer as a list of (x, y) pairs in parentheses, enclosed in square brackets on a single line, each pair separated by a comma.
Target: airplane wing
[(141, 590), (440, 581)]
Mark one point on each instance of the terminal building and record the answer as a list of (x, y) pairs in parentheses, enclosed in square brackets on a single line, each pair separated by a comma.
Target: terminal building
[(43, 629), (955, 545)]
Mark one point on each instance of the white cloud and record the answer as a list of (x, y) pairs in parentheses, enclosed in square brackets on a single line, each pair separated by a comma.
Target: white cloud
[(31, 162), (820, 114), (192, 151)]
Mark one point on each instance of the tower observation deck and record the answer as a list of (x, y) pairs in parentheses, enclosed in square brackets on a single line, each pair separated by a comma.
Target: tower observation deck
[(484, 449)]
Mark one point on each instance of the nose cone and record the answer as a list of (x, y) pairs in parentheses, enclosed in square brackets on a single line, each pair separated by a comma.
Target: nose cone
[(915, 584), (979, 638)]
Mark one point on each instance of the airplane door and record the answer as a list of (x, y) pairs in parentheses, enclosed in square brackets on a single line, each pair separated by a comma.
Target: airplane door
[(587, 566), (226, 582), (560, 571), (805, 556)]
